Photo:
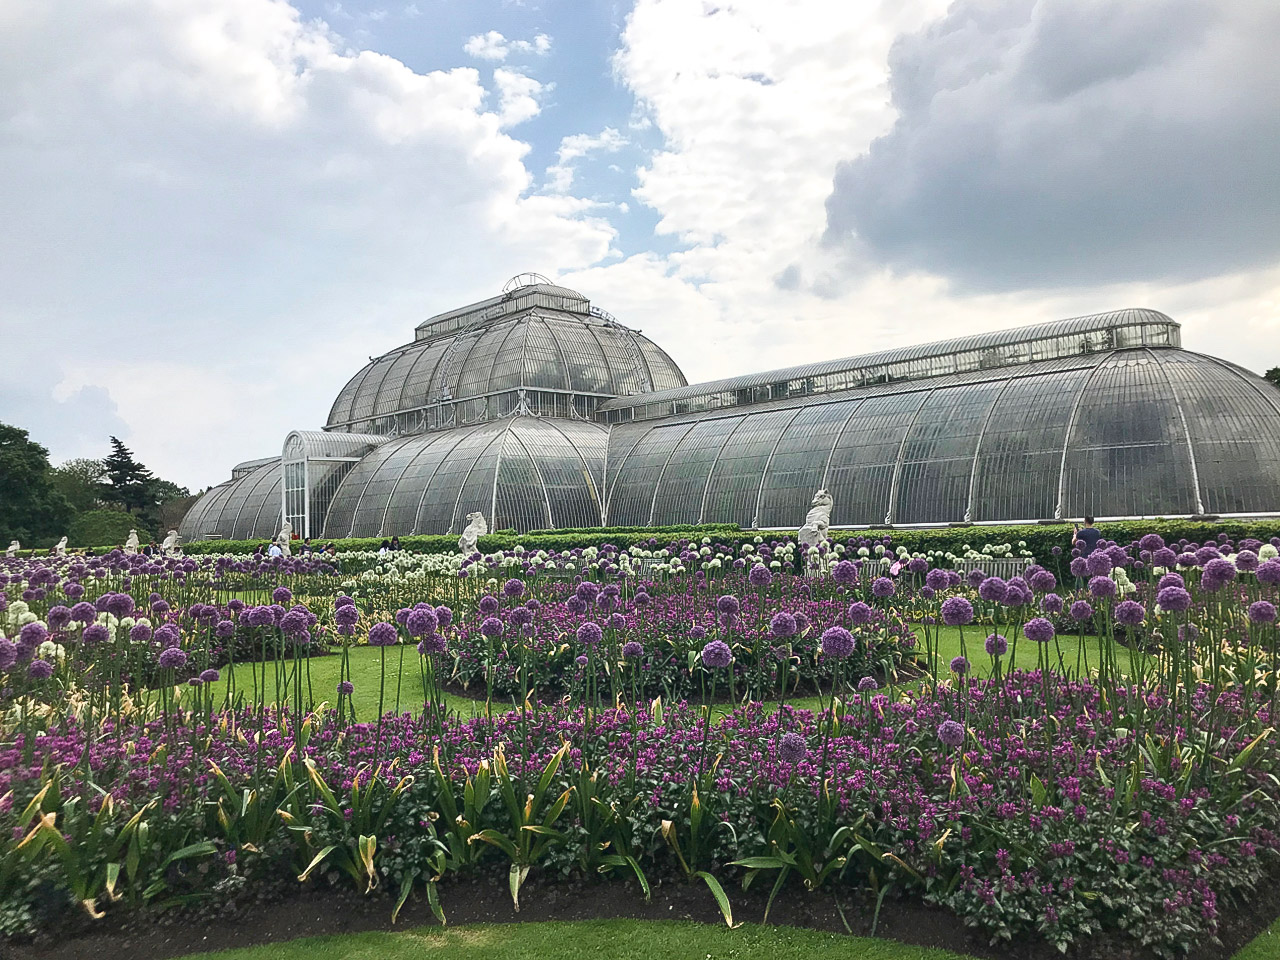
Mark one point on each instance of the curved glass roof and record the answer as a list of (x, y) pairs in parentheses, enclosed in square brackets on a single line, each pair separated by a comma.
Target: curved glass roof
[(535, 338), (523, 472), (1080, 335), (246, 507), (1132, 432)]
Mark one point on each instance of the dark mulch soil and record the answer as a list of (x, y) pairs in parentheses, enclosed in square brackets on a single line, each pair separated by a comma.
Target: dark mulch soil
[(321, 911)]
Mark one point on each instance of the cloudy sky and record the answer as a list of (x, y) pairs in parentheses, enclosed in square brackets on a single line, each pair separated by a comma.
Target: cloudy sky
[(214, 211)]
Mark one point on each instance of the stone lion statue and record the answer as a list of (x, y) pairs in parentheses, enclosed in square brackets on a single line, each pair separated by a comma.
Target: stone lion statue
[(60, 550), (284, 537), (171, 546), (14, 547), (475, 529), (816, 523), (131, 545)]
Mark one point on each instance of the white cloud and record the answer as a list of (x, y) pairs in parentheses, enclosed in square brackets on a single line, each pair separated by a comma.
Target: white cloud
[(224, 211), (517, 96), (494, 46), (576, 146)]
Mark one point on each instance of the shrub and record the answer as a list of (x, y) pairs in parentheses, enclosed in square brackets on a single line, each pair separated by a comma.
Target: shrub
[(94, 528)]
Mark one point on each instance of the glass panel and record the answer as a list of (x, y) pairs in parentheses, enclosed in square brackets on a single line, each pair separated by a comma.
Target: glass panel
[(417, 381), (520, 501), (735, 478), (371, 511), (583, 356), (679, 494), (860, 476), (390, 396), (631, 497), (542, 364), (798, 464), (435, 513), (474, 375), (478, 491), (340, 521), (572, 471)]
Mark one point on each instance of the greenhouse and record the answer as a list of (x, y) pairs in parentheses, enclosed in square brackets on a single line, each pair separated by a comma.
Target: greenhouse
[(539, 410)]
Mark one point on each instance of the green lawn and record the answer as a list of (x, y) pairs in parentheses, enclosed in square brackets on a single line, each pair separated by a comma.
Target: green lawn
[(590, 940)]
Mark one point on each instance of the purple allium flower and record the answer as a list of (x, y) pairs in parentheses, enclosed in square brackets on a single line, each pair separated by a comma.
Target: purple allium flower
[(58, 618), (1171, 580), (422, 622), (868, 685), (617, 621), (782, 625), (845, 573), (716, 655), (120, 605), (1098, 564), (444, 617), (195, 682), (587, 591), (1078, 567), (697, 632), (32, 635), (1218, 572), (959, 665), (951, 733), (728, 605), (974, 578), (167, 635), (1152, 542), (513, 588), (1038, 630), (1173, 598), (488, 605), (95, 633), (1262, 611), (236, 606), (345, 616), (40, 670), (581, 660), (1102, 587), (632, 650), (293, 623), (927, 592), (936, 579), (1042, 581), (792, 748), (883, 588), (140, 633), (993, 589), (84, 612), (384, 634), (491, 627), (346, 688), (1081, 610), (957, 611), (859, 613), (1129, 613), (432, 643), (402, 615), (1052, 604), (172, 658), (759, 575), (261, 617), (210, 676), (1247, 561), (8, 653), (281, 595), (837, 643), (997, 646), (342, 600), (589, 634), (1269, 573), (1164, 557)]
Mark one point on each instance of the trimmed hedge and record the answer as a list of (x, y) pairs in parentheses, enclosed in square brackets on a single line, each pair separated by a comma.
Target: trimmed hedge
[(1039, 538)]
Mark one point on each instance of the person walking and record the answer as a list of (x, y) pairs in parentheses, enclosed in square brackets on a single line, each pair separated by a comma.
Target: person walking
[(1086, 537)]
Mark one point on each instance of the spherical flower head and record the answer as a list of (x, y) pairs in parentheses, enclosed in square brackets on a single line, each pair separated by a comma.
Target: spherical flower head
[(120, 605), (58, 617), (1217, 573), (33, 634), (1247, 561), (587, 591), (936, 579), (759, 575), (1098, 564), (728, 604), (951, 733), (1078, 567), (782, 625), (384, 634), (973, 578), (260, 617), (1129, 613), (421, 622), (342, 600), (632, 650), (957, 611), (432, 643), (1042, 581), (883, 588), (488, 605), (1170, 580), (236, 606), (837, 643), (641, 599), (281, 595), (1052, 604), (167, 635), (491, 627), (84, 612), (444, 617), (1173, 598), (346, 616), (589, 634), (8, 653), (1262, 611), (993, 589), (697, 632), (845, 573), (868, 685), (1081, 610), (1269, 573), (716, 655), (95, 633), (172, 658), (346, 688), (1038, 630), (1206, 553), (402, 615), (40, 670), (997, 646), (140, 633), (1102, 587), (792, 748), (74, 591), (576, 605), (959, 665), (1152, 542), (1164, 557)]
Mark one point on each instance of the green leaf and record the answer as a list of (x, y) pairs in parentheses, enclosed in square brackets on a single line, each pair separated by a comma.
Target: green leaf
[(717, 891)]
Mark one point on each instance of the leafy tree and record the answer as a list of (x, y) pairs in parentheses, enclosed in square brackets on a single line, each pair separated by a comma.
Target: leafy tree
[(1273, 375), (105, 528), (80, 481), (30, 508), (128, 482)]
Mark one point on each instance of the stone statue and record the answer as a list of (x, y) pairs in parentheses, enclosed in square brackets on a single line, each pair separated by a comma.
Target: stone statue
[(171, 547), (131, 545), (284, 537), (14, 547), (475, 529), (60, 549), (814, 531)]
